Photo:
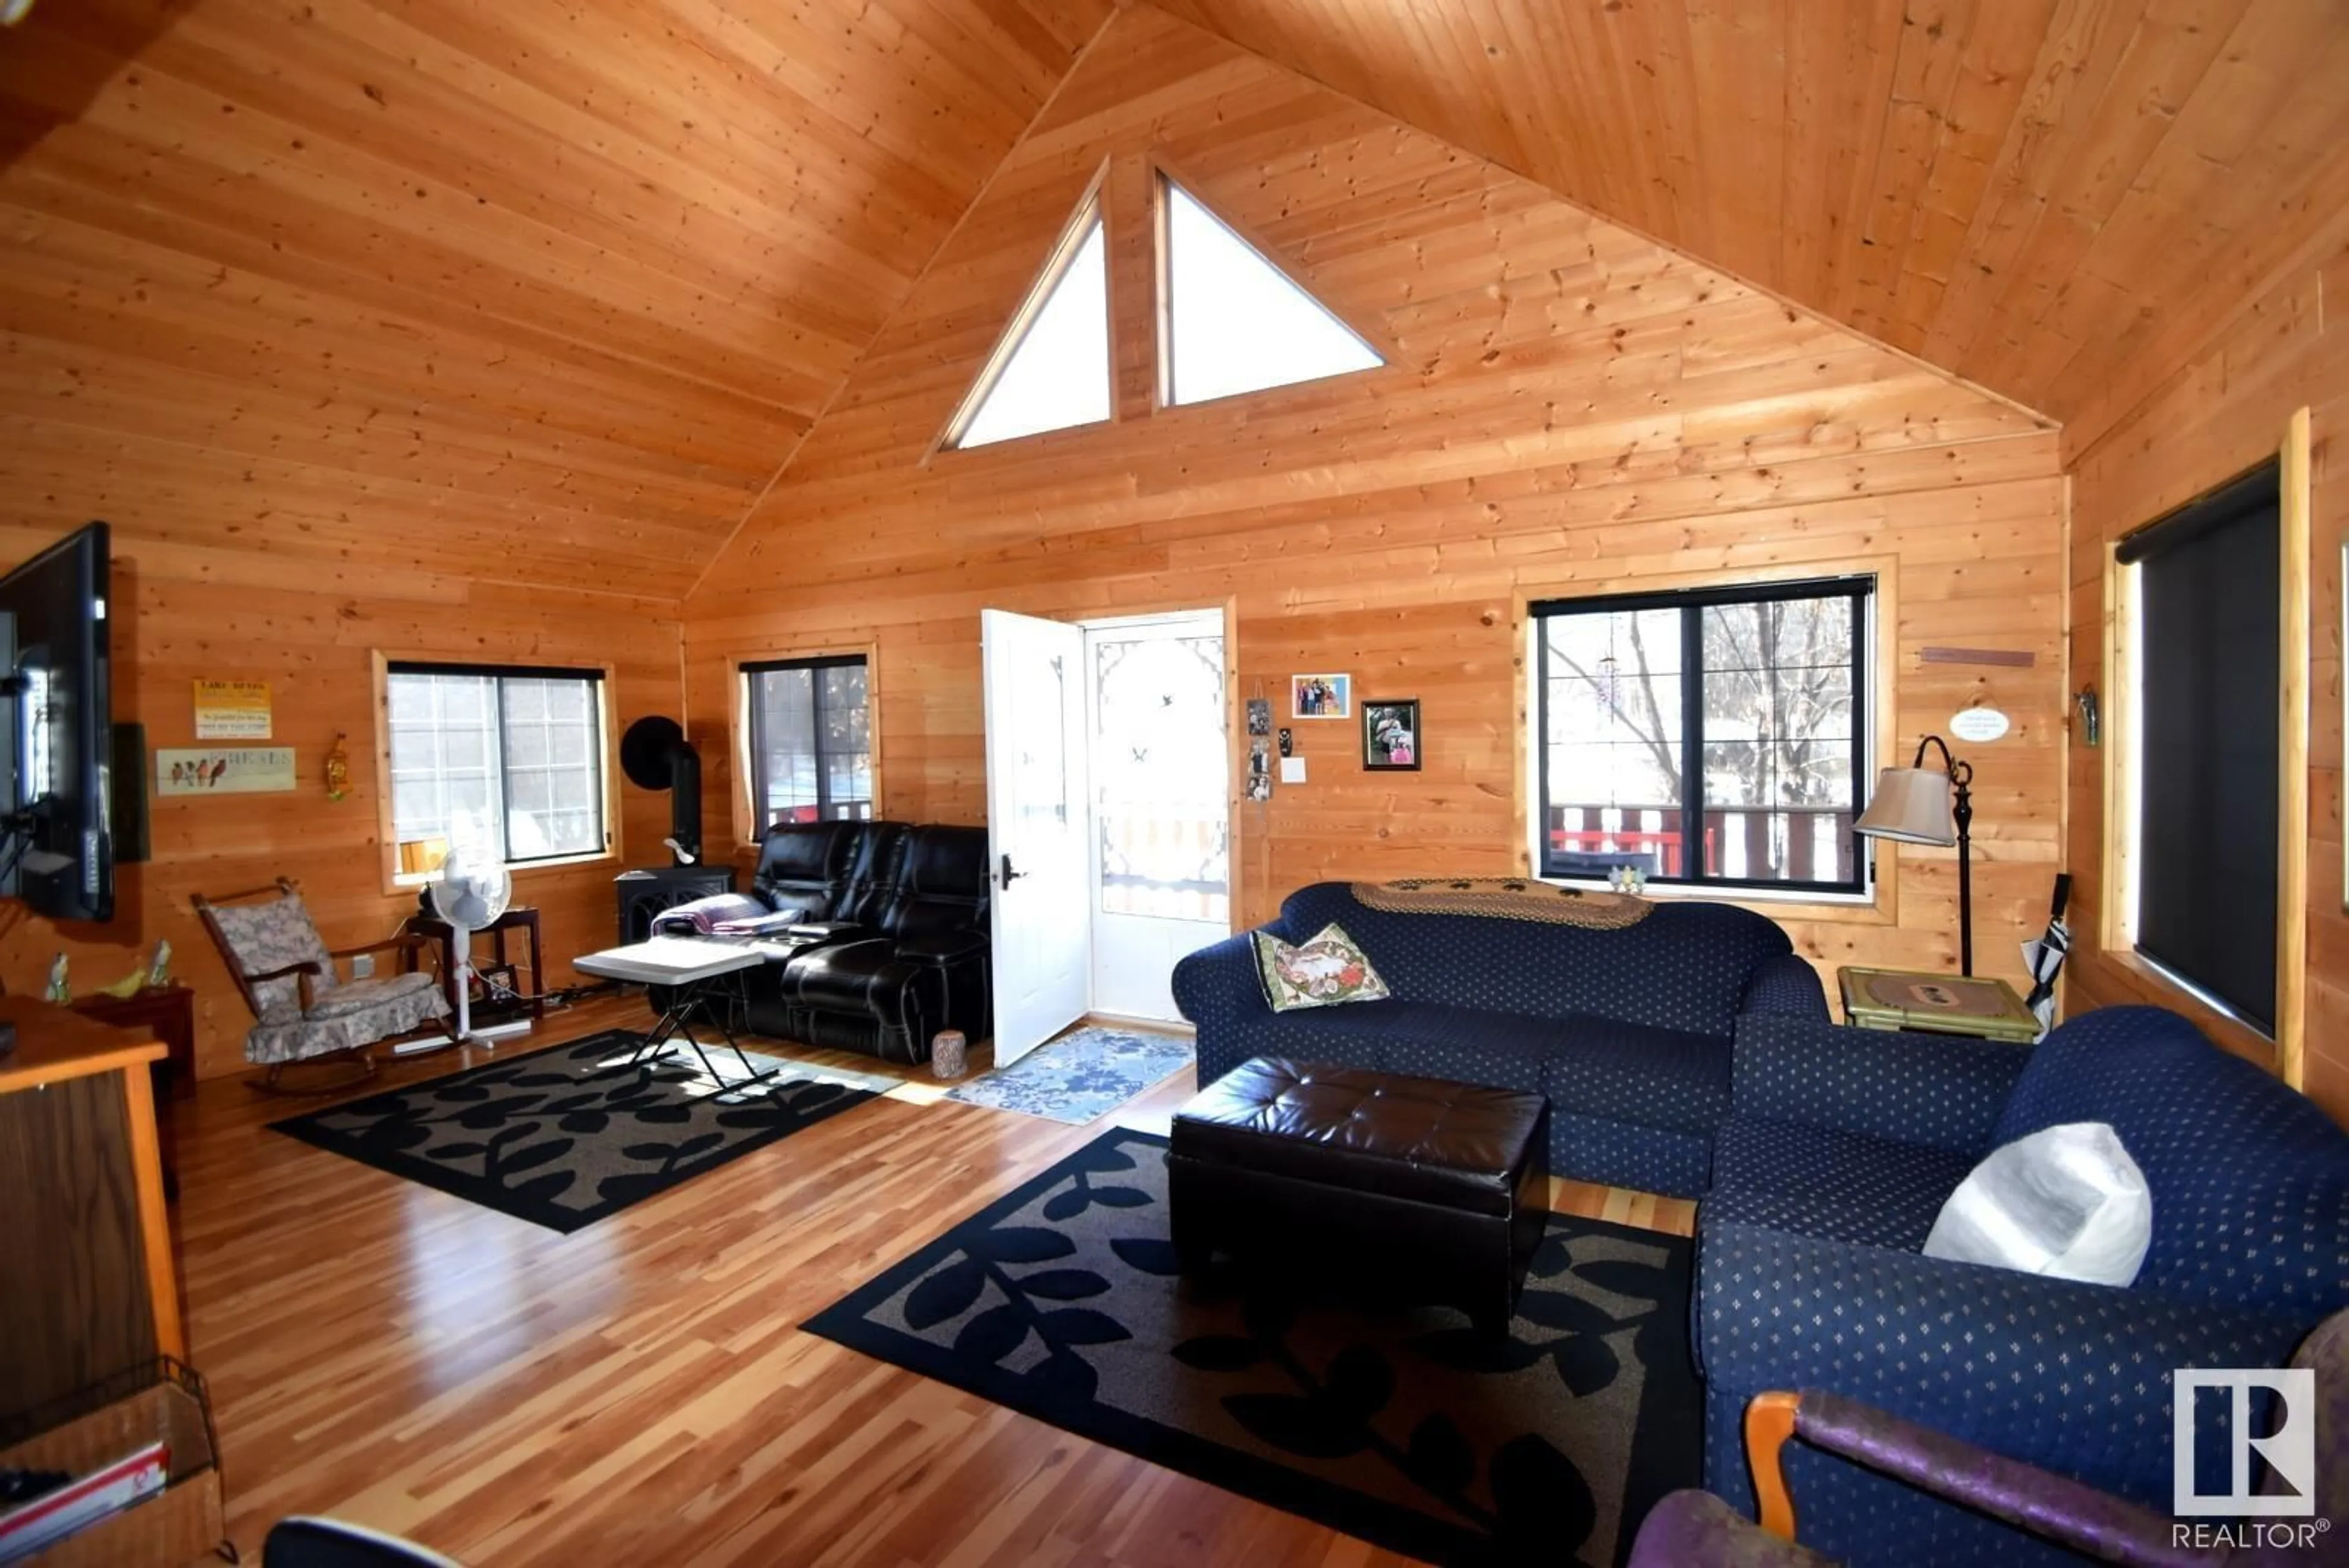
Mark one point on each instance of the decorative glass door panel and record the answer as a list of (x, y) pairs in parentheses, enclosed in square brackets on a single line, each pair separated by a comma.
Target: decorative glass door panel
[(1161, 775)]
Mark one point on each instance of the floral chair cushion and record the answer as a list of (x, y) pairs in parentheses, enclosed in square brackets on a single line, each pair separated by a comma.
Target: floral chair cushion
[(266, 937), (358, 1013)]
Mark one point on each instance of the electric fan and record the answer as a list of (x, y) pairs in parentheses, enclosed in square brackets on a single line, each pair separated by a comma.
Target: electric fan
[(468, 896)]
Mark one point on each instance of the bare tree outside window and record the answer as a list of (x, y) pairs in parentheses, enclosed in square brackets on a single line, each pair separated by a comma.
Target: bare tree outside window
[(1704, 737), (810, 740)]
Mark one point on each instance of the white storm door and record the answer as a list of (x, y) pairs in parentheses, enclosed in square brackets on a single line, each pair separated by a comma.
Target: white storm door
[(1032, 680), (1161, 776)]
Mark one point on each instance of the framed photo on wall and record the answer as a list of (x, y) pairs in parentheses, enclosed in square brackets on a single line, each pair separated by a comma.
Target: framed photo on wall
[(1320, 696), (1391, 741)]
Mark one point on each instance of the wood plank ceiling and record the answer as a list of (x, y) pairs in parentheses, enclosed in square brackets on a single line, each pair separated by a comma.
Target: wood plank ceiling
[(546, 293), (519, 291), (2053, 198)]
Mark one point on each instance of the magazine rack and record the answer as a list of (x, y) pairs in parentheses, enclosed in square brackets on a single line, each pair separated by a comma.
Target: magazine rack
[(160, 1401)]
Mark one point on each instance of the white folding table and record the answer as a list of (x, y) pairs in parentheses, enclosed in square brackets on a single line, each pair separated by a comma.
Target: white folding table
[(696, 971)]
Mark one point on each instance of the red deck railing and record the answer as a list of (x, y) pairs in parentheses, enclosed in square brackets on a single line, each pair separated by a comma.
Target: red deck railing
[(1780, 844)]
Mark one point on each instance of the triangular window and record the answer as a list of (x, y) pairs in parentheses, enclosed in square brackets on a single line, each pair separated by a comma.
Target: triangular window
[(1052, 369), (1236, 323)]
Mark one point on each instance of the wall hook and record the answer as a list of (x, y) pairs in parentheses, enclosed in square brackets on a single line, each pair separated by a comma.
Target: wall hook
[(2091, 718)]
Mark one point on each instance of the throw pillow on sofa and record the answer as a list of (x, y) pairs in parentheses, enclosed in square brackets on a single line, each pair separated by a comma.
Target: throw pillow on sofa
[(2067, 1203), (1328, 969)]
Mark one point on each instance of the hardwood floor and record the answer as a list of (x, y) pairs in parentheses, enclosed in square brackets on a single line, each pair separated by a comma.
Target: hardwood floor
[(639, 1392)]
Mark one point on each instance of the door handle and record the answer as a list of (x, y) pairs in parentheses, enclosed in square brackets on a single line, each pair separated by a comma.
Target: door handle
[(1009, 875)]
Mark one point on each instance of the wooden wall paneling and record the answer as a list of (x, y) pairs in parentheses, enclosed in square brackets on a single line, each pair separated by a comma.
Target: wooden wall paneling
[(2243, 195), (2036, 195), (2293, 848), (230, 613), (506, 294), (1567, 404), (458, 331), (2219, 414), (1137, 287)]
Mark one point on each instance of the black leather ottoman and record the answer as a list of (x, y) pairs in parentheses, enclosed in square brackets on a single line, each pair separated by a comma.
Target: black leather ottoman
[(1417, 1188)]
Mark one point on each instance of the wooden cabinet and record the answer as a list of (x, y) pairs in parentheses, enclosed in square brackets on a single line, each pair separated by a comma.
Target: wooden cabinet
[(89, 1305)]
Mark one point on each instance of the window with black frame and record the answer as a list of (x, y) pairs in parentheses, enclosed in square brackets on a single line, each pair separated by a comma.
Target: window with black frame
[(510, 758), (1711, 736), (808, 736)]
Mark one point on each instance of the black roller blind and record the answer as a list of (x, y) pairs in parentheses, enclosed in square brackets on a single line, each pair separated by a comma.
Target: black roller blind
[(2210, 589)]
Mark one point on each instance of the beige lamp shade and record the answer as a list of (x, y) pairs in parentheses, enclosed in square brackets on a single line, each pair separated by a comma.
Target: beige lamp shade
[(1912, 805)]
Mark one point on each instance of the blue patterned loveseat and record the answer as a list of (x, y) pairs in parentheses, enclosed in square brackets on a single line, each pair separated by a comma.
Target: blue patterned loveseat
[(1628, 1032), (1840, 1149)]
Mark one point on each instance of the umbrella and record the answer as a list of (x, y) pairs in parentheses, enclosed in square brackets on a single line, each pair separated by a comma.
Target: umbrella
[(2045, 957)]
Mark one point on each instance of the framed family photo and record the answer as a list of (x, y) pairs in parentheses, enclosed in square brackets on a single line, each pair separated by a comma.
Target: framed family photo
[(1391, 735), (1320, 696)]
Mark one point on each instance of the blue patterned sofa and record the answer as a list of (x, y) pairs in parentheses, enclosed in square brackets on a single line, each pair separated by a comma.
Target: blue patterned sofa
[(1628, 1032), (1841, 1149)]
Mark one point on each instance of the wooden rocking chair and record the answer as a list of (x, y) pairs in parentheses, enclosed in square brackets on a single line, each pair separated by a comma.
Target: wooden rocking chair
[(303, 1010)]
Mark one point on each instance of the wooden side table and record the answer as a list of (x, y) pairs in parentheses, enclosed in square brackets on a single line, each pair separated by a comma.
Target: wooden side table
[(521, 917), (1895, 999), (166, 1012)]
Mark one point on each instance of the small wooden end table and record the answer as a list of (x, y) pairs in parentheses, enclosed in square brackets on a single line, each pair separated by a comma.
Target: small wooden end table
[(166, 1012), (1919, 999)]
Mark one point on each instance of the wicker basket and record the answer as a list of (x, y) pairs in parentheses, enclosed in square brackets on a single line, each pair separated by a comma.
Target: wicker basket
[(159, 1402)]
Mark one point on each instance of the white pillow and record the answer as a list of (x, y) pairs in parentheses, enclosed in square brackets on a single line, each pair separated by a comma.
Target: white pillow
[(2067, 1203)]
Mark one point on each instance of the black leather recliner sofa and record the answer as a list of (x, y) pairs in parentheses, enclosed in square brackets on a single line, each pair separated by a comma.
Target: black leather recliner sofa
[(892, 928)]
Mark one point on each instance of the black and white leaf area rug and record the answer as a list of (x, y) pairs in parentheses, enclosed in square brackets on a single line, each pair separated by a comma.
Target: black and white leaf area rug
[(565, 1135), (1397, 1425)]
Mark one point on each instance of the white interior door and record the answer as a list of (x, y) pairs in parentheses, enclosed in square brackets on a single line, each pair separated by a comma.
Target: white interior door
[(1033, 684)]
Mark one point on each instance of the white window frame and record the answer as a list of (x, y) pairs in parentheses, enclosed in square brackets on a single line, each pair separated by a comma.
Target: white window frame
[(1088, 216), (1167, 186)]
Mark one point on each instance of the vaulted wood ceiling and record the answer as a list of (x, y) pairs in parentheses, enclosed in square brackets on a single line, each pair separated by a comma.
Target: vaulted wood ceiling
[(2033, 193), (547, 293), (522, 290)]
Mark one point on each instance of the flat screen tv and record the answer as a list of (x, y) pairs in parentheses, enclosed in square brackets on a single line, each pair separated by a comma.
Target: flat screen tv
[(57, 846)]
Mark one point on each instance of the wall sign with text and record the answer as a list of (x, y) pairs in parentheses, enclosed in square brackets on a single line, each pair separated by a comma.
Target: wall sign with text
[(223, 769), (232, 710)]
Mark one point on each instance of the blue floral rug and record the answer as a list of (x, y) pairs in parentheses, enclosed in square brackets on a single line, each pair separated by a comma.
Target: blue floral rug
[(1085, 1074)]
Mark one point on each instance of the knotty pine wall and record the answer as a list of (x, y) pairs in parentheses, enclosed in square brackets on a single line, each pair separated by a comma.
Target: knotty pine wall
[(309, 629), (2225, 412), (1565, 406)]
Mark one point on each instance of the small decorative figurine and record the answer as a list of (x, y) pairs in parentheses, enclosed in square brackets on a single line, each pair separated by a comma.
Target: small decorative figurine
[(130, 984), (338, 769), (158, 970), (60, 987)]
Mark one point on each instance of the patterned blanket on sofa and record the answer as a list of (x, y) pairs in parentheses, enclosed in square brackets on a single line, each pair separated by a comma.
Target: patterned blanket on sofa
[(1505, 899)]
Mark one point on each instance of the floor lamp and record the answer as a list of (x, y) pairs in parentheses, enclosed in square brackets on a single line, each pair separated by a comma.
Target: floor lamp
[(1913, 806)]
